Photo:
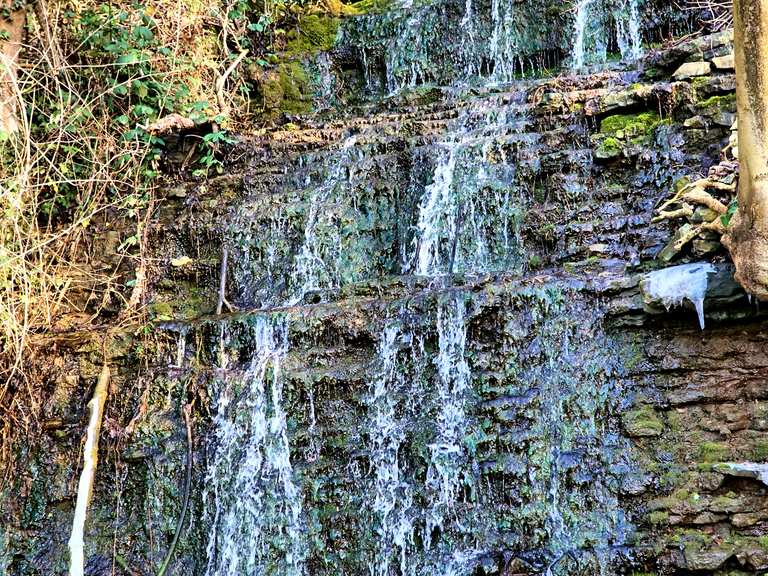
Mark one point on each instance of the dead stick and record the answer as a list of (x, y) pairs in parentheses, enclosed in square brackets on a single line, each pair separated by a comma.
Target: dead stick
[(222, 279), (90, 459)]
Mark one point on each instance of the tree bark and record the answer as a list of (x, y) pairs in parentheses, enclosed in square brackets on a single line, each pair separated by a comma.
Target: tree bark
[(12, 30), (747, 234)]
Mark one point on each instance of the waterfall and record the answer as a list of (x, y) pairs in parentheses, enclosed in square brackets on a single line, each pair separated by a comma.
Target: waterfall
[(313, 270), (438, 216), (503, 47), (392, 499), (579, 33), (590, 33), (628, 24), (255, 505), (444, 475), (468, 218)]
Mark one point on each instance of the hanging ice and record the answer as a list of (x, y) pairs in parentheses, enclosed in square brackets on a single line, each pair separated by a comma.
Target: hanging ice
[(671, 286)]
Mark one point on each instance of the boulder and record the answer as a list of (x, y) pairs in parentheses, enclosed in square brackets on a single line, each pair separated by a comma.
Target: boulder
[(724, 62), (692, 70)]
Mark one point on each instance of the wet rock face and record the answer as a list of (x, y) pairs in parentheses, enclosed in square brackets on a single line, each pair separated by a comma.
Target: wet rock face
[(453, 42), (449, 365), (702, 400)]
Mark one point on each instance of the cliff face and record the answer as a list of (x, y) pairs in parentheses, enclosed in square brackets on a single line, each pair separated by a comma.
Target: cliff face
[(440, 356)]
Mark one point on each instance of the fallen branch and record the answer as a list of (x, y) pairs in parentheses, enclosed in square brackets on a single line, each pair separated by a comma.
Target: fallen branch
[(85, 487), (223, 282)]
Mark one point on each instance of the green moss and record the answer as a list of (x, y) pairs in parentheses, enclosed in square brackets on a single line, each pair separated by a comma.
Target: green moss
[(762, 541), (287, 89), (629, 125), (608, 148), (534, 262), (760, 450), (680, 183), (315, 32), (727, 102), (725, 503), (372, 6), (161, 310), (658, 517), (643, 422), (713, 452)]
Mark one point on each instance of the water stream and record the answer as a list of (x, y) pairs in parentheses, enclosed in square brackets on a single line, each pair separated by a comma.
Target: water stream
[(256, 508), (446, 452), (597, 23)]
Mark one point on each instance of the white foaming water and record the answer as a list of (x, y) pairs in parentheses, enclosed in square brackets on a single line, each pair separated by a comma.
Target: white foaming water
[(628, 30), (447, 452), (393, 499), (590, 33), (675, 284), (311, 270), (255, 504), (452, 230), (579, 33), (503, 46), (437, 214)]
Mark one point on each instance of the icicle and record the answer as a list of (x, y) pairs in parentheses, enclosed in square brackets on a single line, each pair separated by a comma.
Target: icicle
[(672, 285)]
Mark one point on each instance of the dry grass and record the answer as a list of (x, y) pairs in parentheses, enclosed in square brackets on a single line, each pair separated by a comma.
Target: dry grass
[(67, 150)]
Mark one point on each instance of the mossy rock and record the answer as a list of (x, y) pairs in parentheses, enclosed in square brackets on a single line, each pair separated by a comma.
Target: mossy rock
[(314, 33), (643, 422), (162, 311), (608, 148), (713, 452), (629, 125), (372, 6), (716, 104), (658, 517), (286, 89)]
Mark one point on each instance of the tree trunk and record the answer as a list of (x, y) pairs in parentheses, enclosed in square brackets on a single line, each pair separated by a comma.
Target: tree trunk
[(747, 235), (12, 30)]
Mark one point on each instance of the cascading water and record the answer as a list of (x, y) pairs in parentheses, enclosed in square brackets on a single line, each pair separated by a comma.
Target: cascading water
[(435, 476), (448, 453), (466, 192), (419, 45), (579, 33), (593, 20), (628, 30), (255, 504), (393, 499)]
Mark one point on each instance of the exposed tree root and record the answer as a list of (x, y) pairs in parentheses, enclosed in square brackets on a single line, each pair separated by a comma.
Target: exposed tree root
[(683, 205)]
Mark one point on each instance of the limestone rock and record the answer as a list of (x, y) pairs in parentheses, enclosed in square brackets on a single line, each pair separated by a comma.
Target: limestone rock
[(695, 122), (692, 70), (707, 559), (724, 62)]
